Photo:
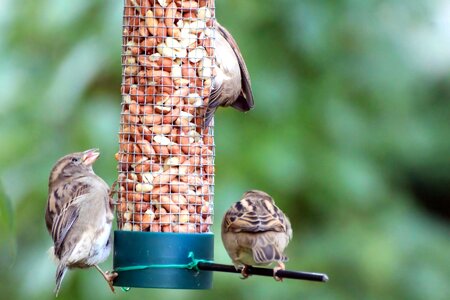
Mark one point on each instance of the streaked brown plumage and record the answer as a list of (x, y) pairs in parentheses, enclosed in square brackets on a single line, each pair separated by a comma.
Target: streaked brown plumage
[(231, 84), (79, 215), (256, 232)]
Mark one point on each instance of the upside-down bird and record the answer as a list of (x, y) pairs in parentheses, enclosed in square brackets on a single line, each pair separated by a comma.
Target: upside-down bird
[(79, 215), (256, 232), (231, 85)]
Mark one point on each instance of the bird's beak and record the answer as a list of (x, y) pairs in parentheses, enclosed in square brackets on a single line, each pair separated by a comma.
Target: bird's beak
[(90, 156)]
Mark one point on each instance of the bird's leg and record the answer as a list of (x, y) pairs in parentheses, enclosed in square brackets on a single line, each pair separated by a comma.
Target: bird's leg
[(276, 269), (244, 272), (109, 277)]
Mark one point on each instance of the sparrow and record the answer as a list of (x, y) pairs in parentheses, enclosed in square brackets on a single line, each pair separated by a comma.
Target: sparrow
[(231, 85), (79, 215), (256, 232)]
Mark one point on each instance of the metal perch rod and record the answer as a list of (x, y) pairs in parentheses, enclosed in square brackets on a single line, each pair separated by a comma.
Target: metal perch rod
[(206, 266)]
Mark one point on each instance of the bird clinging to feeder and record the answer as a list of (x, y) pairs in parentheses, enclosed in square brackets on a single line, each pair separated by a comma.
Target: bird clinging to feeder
[(79, 215), (256, 232), (231, 84)]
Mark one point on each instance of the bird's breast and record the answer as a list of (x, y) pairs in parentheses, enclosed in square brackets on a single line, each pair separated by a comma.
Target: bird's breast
[(101, 246), (230, 83)]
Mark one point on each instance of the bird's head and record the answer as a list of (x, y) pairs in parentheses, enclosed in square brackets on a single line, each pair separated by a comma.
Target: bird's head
[(74, 164), (257, 195)]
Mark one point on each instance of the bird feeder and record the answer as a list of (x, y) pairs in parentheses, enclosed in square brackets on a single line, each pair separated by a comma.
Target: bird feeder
[(166, 155)]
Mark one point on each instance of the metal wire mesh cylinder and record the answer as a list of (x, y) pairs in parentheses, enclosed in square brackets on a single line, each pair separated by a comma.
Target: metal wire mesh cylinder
[(166, 156)]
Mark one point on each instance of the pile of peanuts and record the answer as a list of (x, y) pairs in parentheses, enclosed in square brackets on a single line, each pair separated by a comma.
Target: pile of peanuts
[(166, 157)]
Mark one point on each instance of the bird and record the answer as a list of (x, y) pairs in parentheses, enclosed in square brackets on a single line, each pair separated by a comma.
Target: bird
[(231, 84), (256, 232), (79, 215)]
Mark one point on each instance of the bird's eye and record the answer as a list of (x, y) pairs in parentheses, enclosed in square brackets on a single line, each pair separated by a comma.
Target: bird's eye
[(74, 159)]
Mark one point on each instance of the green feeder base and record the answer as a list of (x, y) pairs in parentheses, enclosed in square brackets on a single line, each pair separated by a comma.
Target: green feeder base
[(162, 260)]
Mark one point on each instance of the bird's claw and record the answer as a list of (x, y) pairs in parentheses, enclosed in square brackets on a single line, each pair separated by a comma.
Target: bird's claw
[(276, 269), (244, 272), (110, 276), (113, 190)]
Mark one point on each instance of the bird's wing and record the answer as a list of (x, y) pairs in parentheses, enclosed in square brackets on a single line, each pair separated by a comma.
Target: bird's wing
[(245, 99), (67, 216), (253, 217), (62, 225), (60, 196)]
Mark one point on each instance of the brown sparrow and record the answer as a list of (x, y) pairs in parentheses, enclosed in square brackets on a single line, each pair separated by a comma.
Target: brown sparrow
[(231, 84), (79, 215), (256, 232)]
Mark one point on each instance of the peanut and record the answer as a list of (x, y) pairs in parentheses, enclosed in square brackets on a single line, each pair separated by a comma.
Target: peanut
[(179, 187), (143, 187)]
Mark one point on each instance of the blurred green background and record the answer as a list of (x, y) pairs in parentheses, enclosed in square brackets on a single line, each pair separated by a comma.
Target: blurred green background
[(350, 134)]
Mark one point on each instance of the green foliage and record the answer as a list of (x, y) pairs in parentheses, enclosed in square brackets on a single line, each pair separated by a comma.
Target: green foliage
[(351, 105)]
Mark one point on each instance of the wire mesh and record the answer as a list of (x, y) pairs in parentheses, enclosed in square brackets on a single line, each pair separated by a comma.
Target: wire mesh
[(166, 156)]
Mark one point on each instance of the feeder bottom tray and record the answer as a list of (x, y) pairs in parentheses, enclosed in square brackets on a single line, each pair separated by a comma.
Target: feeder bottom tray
[(162, 260)]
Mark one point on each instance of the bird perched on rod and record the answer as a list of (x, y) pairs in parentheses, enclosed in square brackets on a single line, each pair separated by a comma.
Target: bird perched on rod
[(79, 215), (256, 232), (231, 84)]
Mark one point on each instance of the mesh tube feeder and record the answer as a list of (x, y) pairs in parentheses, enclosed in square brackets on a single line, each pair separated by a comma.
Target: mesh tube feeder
[(166, 156)]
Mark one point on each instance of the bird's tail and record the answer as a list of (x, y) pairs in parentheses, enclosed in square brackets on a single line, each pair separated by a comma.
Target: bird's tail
[(60, 272)]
